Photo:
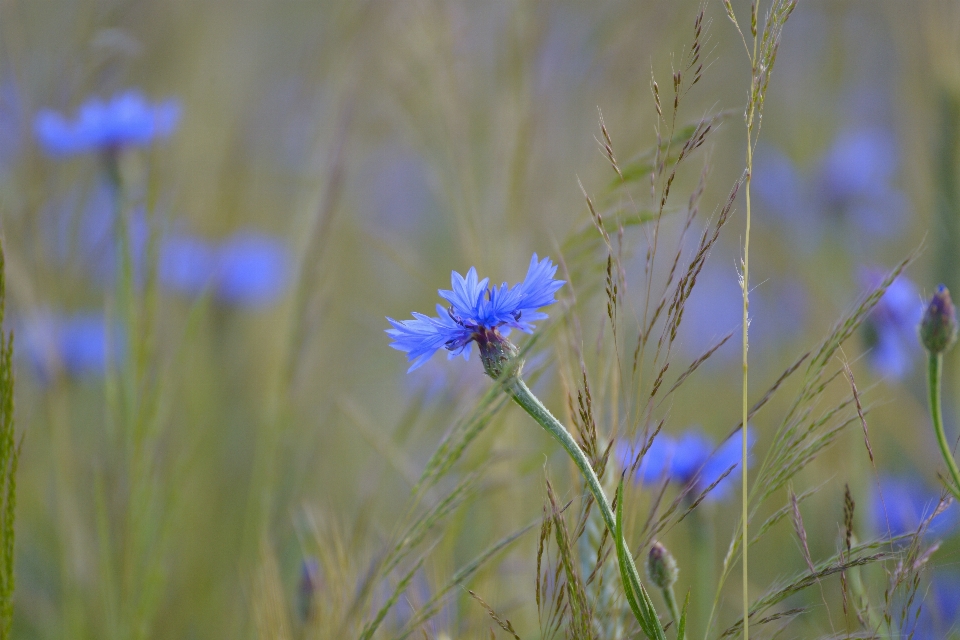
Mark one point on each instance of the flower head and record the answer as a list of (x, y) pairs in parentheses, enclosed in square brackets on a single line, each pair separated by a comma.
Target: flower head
[(890, 329), (253, 269), (691, 461), (74, 344), (248, 269), (478, 313), (126, 120), (901, 504)]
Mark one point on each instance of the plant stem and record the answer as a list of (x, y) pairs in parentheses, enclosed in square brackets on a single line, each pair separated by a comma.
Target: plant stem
[(746, 326), (522, 395), (934, 370), (671, 600)]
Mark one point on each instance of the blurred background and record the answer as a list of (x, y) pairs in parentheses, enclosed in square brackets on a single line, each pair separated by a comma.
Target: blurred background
[(207, 396)]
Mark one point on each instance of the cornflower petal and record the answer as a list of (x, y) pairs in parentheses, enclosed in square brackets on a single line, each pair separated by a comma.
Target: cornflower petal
[(728, 455), (466, 294)]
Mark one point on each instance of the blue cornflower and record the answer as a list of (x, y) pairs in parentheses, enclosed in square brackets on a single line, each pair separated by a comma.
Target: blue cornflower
[(940, 609), (248, 269), (126, 120), (891, 328), (76, 344), (691, 461), (253, 269), (860, 164), (186, 264), (477, 313), (308, 586), (900, 504)]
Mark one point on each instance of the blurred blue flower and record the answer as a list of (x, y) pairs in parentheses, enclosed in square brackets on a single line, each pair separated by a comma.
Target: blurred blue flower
[(307, 587), (860, 164), (852, 182), (186, 264), (939, 610), (253, 269), (75, 344), (691, 461), (126, 120), (891, 328), (900, 504), (855, 181), (248, 269), (476, 310), (779, 184)]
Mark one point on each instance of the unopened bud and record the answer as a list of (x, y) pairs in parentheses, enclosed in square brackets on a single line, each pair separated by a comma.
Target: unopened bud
[(661, 567), (938, 329)]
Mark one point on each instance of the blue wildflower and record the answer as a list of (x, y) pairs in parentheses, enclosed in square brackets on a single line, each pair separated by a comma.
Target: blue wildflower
[(860, 164), (855, 181), (126, 120), (692, 461), (308, 586), (891, 328), (477, 313), (899, 505), (76, 344), (253, 269), (248, 269), (940, 609), (186, 264)]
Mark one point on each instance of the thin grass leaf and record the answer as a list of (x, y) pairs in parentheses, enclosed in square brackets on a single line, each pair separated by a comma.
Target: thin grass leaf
[(374, 624), (682, 625)]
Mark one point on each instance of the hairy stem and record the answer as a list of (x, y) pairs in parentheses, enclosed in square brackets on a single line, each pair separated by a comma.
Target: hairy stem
[(671, 600), (934, 370), (746, 327), (522, 395)]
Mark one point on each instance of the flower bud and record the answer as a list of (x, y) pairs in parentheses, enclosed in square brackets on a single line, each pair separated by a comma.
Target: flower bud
[(308, 587), (661, 567), (938, 329), (500, 357)]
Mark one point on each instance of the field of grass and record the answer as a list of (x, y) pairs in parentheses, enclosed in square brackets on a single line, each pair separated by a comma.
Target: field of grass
[(209, 211)]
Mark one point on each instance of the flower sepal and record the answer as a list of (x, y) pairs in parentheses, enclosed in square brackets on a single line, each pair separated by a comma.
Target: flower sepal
[(501, 358)]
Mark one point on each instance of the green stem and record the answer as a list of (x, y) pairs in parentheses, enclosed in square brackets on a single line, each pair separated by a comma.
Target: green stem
[(671, 600), (522, 395), (934, 370), (703, 542)]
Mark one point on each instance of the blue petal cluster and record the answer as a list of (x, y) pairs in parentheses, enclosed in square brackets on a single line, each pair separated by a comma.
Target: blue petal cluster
[(126, 120), (248, 269), (891, 328), (74, 344), (852, 184), (692, 461), (900, 504), (474, 311), (939, 612)]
